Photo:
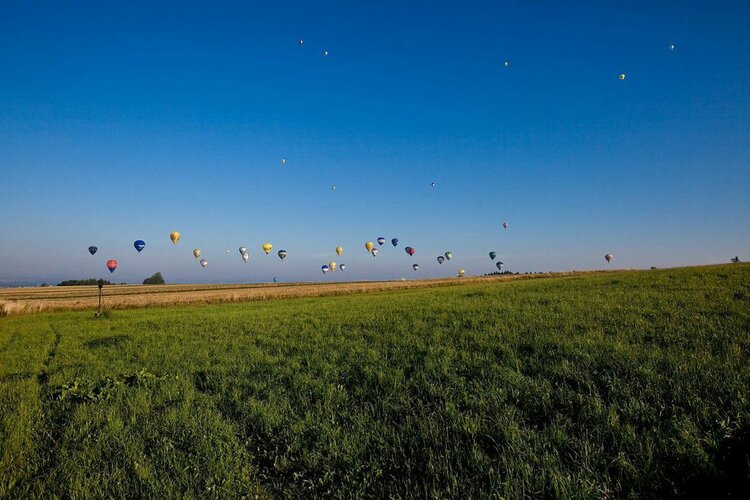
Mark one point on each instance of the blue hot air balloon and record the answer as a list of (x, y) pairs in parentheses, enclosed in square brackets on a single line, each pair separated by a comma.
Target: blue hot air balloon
[(92, 250), (394, 241), (325, 268), (139, 245), (381, 240), (493, 255), (440, 259)]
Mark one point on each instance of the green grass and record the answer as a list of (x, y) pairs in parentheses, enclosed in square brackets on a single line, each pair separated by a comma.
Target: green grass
[(627, 384)]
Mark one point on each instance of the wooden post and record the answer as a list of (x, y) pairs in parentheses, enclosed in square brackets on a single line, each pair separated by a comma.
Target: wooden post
[(99, 308)]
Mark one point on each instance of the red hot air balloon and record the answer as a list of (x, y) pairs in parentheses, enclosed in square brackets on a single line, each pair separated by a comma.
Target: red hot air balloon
[(111, 265), (409, 250)]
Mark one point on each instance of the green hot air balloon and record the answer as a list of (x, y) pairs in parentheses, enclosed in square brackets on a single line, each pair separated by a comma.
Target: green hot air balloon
[(449, 255)]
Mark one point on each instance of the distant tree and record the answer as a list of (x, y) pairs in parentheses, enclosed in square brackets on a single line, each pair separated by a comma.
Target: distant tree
[(156, 279), (90, 281)]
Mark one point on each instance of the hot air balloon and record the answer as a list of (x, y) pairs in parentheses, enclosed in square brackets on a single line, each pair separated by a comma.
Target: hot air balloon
[(282, 254), (410, 250), (339, 250), (671, 47), (197, 253), (440, 259), (432, 184), (275, 279), (333, 187), (324, 268), (332, 266), (381, 240), (267, 247), (369, 245), (245, 257), (301, 42), (505, 225), (622, 76), (342, 267), (283, 161), (174, 236), (374, 252), (609, 257), (448, 255), (461, 273), (111, 265), (92, 250), (499, 266), (243, 250), (227, 252), (415, 267), (325, 53), (394, 241), (506, 64), (204, 262), (493, 255), (139, 245)]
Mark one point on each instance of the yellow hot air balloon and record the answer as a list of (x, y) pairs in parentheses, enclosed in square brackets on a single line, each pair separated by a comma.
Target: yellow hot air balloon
[(461, 273), (174, 236), (332, 266), (339, 250), (369, 245), (197, 253), (267, 247)]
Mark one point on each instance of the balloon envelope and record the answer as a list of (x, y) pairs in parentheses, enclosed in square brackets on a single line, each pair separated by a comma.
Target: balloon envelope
[(381, 240), (332, 266), (92, 250), (461, 272), (374, 252), (267, 247), (174, 236), (394, 241), (197, 253), (204, 262), (112, 265), (449, 255), (505, 225), (410, 250), (609, 257), (243, 250), (324, 268), (339, 250), (139, 245), (499, 266), (282, 254), (441, 259), (493, 255), (369, 245), (342, 267), (415, 267), (245, 257)]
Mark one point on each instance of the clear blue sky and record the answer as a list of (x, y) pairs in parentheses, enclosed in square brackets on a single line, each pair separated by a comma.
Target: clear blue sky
[(120, 122)]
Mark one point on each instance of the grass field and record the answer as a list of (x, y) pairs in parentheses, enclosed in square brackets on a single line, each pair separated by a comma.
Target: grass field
[(603, 385)]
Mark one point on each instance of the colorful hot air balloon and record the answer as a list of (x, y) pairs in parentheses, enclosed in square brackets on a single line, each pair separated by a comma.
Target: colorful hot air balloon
[(111, 265), (197, 253), (394, 241), (493, 255), (369, 245), (415, 267), (381, 240), (461, 273), (339, 250), (609, 257), (204, 262), (622, 76), (332, 266), (282, 254), (174, 236), (92, 250), (374, 252), (324, 268), (505, 225), (267, 247), (410, 250), (342, 267), (139, 245), (440, 259), (448, 255), (499, 266)]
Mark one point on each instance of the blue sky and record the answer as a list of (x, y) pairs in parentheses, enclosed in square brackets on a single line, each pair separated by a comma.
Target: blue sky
[(125, 122)]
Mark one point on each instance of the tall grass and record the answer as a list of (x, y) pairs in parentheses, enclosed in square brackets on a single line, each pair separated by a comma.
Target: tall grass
[(628, 384)]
